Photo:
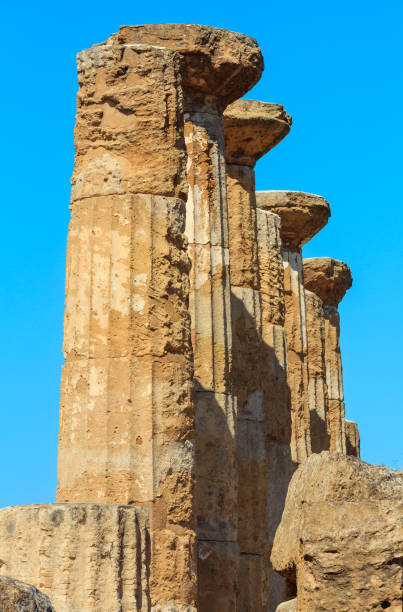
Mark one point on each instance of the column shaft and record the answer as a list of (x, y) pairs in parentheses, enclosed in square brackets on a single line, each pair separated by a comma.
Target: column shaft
[(210, 307), (317, 388), (297, 347), (127, 411), (334, 380)]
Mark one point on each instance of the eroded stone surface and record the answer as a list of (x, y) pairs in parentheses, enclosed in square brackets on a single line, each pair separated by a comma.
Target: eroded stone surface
[(16, 596), (259, 360), (216, 63), (302, 214), (83, 556), (341, 534), (328, 278), (253, 128), (201, 366), (352, 439), (317, 387)]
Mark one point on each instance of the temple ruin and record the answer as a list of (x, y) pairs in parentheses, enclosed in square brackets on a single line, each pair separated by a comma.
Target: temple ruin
[(202, 369)]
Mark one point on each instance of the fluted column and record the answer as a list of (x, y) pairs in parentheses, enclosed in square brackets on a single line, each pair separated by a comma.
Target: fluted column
[(302, 216), (218, 67), (329, 279), (259, 361), (316, 359), (127, 410)]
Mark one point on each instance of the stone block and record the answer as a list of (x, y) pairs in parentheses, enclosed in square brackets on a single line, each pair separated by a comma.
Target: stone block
[(128, 96), (341, 535), (83, 556)]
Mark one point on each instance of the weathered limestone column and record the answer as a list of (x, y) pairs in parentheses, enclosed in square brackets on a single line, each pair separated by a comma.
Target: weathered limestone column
[(259, 362), (302, 216), (127, 408), (217, 67), (316, 359), (329, 279)]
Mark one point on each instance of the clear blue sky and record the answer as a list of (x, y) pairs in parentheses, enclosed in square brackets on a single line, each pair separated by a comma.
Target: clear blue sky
[(336, 67)]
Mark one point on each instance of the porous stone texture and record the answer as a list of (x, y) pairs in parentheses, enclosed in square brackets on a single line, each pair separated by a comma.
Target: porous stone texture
[(259, 349), (341, 535), (302, 216), (218, 66), (316, 359), (202, 363), (252, 129), (16, 596), (127, 407), (352, 438), (148, 309), (328, 279), (83, 556)]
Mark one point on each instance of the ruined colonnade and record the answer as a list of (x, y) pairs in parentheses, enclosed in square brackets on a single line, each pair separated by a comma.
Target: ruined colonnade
[(202, 357)]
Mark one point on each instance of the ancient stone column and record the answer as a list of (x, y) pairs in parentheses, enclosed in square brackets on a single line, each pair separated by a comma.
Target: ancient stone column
[(302, 216), (127, 408), (316, 359), (329, 279), (259, 362), (216, 67)]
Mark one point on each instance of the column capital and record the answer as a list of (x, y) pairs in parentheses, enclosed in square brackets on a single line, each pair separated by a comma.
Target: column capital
[(252, 129), (328, 278), (216, 62), (302, 214)]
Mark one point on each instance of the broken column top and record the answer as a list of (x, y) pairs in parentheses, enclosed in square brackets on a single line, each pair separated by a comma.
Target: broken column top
[(252, 128), (302, 214), (217, 62), (328, 278)]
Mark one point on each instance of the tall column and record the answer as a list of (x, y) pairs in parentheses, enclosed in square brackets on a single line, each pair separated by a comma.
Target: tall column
[(259, 362), (316, 359), (302, 216), (127, 408), (329, 279), (217, 68)]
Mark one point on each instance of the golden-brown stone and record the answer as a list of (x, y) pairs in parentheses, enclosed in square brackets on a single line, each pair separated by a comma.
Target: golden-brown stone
[(253, 128), (341, 534), (215, 62), (85, 557), (302, 214), (352, 438), (328, 278)]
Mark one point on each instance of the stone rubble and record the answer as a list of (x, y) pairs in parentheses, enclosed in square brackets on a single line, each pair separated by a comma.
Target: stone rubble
[(202, 376), (16, 596), (341, 535)]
